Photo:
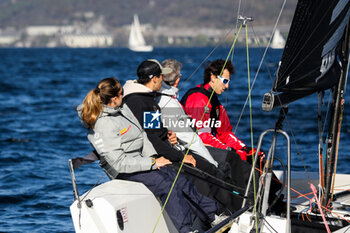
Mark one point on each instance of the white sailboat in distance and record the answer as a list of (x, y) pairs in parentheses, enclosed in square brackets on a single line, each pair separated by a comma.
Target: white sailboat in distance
[(278, 41), (136, 41)]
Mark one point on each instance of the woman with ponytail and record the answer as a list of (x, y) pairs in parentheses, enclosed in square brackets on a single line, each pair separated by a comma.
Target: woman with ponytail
[(126, 153)]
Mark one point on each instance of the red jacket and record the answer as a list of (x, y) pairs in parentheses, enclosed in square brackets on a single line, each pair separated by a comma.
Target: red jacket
[(195, 102)]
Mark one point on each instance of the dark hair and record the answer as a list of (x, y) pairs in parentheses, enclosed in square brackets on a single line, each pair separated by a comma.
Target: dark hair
[(147, 70), (106, 89), (216, 67)]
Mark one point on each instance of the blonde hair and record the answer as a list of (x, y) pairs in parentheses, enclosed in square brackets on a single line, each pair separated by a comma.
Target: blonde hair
[(93, 103)]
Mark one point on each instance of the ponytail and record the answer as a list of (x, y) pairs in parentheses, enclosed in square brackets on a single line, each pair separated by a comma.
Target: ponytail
[(92, 107), (94, 100)]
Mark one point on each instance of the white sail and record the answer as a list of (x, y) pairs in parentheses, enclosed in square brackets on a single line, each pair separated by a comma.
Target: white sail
[(136, 41), (278, 41)]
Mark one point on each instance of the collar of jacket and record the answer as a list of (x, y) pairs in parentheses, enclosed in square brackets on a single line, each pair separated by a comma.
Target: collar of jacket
[(169, 90), (132, 86), (206, 87)]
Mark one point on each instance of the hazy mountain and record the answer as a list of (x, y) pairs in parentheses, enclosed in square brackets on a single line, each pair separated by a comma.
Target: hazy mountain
[(180, 13)]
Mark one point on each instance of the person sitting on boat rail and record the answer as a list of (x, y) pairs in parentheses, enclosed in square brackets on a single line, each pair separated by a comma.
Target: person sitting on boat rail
[(140, 96), (173, 114), (126, 153), (173, 111), (219, 133)]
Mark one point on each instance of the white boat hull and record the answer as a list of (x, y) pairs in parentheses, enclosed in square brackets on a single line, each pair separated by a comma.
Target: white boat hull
[(146, 48), (119, 206)]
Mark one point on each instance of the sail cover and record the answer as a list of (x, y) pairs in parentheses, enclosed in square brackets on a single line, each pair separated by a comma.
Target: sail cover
[(309, 62)]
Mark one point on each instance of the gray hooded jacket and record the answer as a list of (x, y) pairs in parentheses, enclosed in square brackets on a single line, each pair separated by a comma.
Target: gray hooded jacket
[(120, 141), (172, 111)]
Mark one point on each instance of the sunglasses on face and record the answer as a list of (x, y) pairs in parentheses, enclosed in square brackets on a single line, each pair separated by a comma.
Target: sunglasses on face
[(223, 80)]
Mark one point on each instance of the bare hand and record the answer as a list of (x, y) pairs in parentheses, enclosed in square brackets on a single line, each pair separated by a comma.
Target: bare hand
[(190, 160), (162, 162), (172, 137)]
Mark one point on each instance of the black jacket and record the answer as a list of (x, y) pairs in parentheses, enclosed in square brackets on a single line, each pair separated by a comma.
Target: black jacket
[(145, 102)]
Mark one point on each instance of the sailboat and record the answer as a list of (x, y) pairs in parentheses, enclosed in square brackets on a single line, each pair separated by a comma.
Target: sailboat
[(314, 60), (136, 41), (278, 41)]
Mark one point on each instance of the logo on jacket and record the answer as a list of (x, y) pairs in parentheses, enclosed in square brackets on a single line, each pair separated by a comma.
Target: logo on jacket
[(151, 120), (124, 131)]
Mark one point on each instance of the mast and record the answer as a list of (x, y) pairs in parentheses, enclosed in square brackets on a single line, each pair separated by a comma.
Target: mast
[(335, 124)]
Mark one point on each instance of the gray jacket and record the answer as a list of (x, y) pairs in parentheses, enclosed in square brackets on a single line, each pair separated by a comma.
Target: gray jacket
[(120, 141), (172, 111)]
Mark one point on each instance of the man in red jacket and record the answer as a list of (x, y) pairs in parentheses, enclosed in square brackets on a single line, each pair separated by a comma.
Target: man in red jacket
[(214, 127)]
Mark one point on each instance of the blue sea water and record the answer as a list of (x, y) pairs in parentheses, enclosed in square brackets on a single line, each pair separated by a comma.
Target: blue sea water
[(40, 130)]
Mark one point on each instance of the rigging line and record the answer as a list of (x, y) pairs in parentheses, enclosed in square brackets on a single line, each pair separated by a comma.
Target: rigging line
[(206, 58), (320, 143), (251, 126), (262, 59), (326, 117), (189, 147), (297, 147), (327, 209), (337, 146), (236, 27), (255, 77), (319, 206), (321, 135), (233, 51), (238, 13), (313, 202), (342, 103), (267, 222), (286, 118), (304, 44), (262, 54)]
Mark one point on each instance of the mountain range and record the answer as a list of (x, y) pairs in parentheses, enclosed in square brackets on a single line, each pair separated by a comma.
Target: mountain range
[(116, 13)]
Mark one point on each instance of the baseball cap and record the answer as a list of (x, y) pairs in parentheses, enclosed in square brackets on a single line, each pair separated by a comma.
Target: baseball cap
[(151, 68)]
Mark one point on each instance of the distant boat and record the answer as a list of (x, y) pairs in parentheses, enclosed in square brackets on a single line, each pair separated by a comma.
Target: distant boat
[(278, 41), (136, 41)]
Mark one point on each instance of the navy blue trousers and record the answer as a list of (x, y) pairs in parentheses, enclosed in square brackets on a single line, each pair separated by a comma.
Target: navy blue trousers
[(184, 202)]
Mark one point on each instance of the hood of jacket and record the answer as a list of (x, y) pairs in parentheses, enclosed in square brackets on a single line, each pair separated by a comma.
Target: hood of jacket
[(169, 90), (132, 86), (106, 111)]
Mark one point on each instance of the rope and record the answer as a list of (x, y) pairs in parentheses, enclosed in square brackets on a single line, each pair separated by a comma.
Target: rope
[(325, 208), (262, 60), (311, 201), (320, 144), (337, 148), (185, 156), (206, 58), (251, 126), (319, 207)]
